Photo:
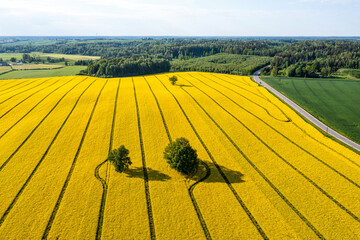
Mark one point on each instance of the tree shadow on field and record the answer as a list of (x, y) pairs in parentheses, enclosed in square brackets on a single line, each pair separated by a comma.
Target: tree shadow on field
[(154, 175), (215, 177)]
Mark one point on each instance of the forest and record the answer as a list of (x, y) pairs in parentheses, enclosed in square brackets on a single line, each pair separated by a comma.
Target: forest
[(123, 57), (114, 67)]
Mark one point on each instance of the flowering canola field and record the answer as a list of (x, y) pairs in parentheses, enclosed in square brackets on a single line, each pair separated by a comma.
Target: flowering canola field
[(265, 173)]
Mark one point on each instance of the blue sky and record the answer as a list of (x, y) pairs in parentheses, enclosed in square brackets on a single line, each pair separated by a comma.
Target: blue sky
[(180, 17)]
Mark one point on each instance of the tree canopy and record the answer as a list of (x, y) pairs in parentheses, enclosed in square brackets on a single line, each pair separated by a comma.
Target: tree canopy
[(181, 156), (119, 157)]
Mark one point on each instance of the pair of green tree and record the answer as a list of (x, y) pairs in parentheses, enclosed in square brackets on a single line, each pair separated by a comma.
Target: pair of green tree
[(179, 154)]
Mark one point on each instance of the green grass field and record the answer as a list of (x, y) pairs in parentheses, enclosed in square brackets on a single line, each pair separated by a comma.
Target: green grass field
[(348, 73), (65, 71), (7, 56), (333, 101)]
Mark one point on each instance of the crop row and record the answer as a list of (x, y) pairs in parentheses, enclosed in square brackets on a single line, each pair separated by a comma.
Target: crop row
[(191, 188), (23, 100), (258, 170), (294, 123)]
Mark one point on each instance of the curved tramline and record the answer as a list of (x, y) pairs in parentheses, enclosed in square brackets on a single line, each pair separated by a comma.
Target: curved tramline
[(296, 169), (258, 170), (264, 172), (261, 95), (262, 233), (292, 142), (106, 180), (65, 185), (293, 123), (191, 188), (252, 101)]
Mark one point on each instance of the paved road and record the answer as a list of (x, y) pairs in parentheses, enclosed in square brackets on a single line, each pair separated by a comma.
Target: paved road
[(307, 115)]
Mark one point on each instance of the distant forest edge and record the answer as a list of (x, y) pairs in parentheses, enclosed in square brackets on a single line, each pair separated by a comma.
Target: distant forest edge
[(124, 57), (121, 67), (220, 63)]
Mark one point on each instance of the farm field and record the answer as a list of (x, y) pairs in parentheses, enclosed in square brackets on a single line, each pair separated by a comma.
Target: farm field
[(265, 172), (4, 69), (68, 56), (18, 56), (65, 71), (35, 66), (334, 101)]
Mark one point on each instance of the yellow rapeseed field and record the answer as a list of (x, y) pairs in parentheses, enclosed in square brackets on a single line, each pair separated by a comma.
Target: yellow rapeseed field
[(264, 174)]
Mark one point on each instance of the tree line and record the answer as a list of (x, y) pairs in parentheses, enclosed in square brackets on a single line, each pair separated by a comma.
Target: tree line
[(222, 63), (289, 58), (119, 67), (316, 58)]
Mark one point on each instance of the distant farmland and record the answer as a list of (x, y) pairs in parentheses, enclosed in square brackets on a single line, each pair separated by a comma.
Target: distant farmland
[(266, 173), (18, 56), (64, 71), (334, 101), (35, 66)]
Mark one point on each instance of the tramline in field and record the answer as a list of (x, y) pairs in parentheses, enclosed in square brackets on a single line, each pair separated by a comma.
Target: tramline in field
[(265, 172)]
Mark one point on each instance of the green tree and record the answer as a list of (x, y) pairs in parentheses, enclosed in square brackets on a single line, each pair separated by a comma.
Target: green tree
[(274, 72), (119, 157), (13, 59), (173, 79), (290, 71), (307, 70), (181, 156), (315, 66), (325, 71)]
